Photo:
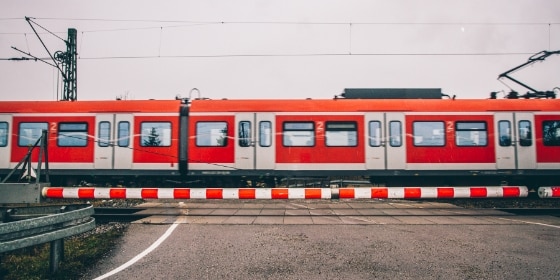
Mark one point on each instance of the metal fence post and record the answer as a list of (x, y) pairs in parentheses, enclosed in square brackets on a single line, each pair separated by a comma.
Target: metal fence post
[(57, 250)]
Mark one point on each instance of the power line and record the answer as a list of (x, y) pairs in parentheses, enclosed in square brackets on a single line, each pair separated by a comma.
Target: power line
[(298, 22), (301, 55)]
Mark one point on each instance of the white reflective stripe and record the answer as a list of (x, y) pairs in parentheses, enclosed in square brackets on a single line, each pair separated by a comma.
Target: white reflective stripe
[(494, 192), (70, 193), (296, 193), (362, 193), (135, 193), (461, 192), (326, 194), (198, 193), (395, 192), (429, 192), (102, 193), (230, 193), (263, 193), (166, 193)]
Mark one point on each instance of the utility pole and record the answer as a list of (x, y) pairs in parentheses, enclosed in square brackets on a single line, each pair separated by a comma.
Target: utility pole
[(65, 62), (69, 61)]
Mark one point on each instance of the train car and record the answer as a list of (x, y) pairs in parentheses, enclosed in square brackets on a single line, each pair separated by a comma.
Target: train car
[(90, 139), (393, 142)]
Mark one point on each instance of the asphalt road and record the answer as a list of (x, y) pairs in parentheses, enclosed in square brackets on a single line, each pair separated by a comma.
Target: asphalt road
[(512, 247)]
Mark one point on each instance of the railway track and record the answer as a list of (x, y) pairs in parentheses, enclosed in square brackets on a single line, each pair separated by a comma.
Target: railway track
[(111, 214), (126, 215)]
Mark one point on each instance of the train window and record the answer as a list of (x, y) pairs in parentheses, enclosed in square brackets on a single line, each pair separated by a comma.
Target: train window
[(155, 134), (244, 134), (525, 134), (471, 134), (428, 134), (395, 133), (104, 134), (341, 134), (123, 134), (3, 134), (72, 134), (265, 134), (551, 133), (298, 134), (30, 132), (504, 132), (211, 134), (374, 134)]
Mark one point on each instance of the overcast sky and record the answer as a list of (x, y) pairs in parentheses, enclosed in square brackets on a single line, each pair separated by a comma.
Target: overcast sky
[(280, 49)]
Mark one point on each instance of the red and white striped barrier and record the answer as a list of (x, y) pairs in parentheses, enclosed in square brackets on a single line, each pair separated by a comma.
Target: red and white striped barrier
[(549, 192), (434, 192), (185, 193), (286, 193)]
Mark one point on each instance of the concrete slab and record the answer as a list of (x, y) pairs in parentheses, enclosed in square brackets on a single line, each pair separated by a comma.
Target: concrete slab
[(239, 220), (269, 220), (298, 220), (326, 220)]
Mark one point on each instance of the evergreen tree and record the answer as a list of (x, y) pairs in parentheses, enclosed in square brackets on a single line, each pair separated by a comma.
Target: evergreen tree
[(153, 138)]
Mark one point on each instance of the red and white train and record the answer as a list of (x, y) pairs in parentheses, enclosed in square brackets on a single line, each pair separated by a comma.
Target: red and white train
[(395, 142)]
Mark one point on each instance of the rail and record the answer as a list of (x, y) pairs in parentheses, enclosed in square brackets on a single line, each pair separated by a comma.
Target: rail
[(27, 226)]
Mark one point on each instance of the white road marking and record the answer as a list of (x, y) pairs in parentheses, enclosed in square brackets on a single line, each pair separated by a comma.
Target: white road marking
[(531, 223), (141, 255)]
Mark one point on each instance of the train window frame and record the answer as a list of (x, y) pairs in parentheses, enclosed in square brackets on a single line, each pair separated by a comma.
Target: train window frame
[(292, 129), (72, 134), (341, 134), (551, 138), (104, 134), (155, 134), (123, 134), (525, 137), (244, 134), (395, 134), (460, 130), (209, 132), (425, 127), (265, 133), (36, 132), (4, 132), (504, 133), (374, 138)]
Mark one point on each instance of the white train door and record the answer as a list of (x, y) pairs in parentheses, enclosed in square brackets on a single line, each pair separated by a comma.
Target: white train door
[(375, 141), (385, 141), (265, 141), (515, 141), (254, 143), (525, 144), (6, 131), (245, 129), (396, 141), (123, 142), (103, 149)]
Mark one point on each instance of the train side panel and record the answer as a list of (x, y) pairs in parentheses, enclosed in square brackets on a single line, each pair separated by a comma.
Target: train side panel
[(6, 129), (450, 141), (548, 140), (320, 141), (211, 141), (69, 139), (155, 141)]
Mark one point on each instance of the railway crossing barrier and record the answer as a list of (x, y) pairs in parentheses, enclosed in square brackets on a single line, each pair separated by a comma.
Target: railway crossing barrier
[(549, 192), (287, 193)]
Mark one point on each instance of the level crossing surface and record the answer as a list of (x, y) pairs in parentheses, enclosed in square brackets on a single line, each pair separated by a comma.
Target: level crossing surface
[(383, 239)]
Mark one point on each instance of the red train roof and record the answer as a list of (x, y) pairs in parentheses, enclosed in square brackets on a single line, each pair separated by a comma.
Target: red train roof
[(369, 105), (147, 106)]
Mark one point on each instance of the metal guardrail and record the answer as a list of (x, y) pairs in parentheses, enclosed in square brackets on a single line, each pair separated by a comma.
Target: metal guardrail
[(27, 226)]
